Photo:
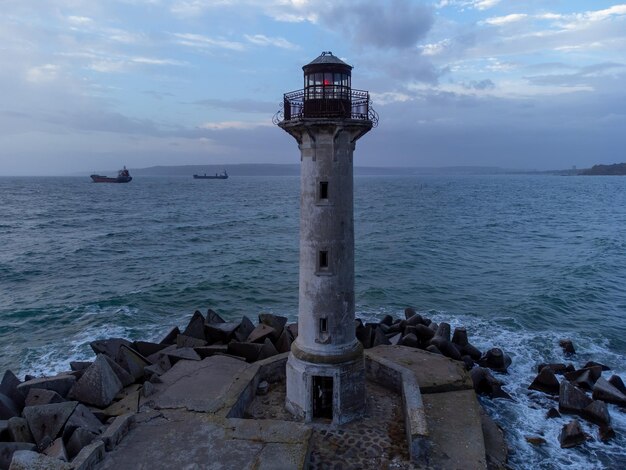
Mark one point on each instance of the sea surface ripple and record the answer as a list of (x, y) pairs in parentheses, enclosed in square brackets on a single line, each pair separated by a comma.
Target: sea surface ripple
[(522, 261)]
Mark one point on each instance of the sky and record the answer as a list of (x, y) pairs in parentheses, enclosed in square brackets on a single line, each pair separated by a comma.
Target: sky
[(94, 85)]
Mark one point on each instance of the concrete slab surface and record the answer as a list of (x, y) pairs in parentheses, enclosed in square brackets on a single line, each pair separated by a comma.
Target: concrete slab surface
[(197, 385), (434, 373), (455, 431)]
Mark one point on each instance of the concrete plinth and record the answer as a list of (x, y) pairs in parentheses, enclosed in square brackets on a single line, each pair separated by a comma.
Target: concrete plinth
[(348, 388)]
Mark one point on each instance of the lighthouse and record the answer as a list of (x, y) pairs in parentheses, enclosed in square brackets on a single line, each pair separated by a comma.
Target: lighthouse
[(325, 369)]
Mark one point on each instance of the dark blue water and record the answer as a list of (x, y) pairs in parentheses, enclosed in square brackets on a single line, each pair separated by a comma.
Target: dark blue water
[(522, 261)]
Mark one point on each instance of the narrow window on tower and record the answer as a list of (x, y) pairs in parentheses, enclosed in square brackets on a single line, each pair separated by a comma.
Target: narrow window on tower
[(323, 260), (323, 190), (323, 325)]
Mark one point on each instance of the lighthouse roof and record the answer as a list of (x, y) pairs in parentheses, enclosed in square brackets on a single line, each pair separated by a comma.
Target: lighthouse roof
[(327, 58)]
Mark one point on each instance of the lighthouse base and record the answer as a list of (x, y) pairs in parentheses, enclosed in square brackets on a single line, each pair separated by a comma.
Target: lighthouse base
[(326, 391)]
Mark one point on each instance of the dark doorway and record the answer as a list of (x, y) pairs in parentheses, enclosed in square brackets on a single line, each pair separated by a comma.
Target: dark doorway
[(322, 397)]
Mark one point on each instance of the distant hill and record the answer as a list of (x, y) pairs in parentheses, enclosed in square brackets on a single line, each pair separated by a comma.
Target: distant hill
[(615, 169), (267, 169)]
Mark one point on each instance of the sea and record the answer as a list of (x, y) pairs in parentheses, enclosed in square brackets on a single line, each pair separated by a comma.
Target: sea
[(521, 261)]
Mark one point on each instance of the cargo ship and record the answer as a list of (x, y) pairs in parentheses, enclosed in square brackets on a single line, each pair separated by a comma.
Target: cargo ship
[(122, 177)]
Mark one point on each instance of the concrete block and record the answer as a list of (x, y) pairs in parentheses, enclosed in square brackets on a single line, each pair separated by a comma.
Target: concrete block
[(46, 421), (98, 385), (60, 384), (40, 396), (117, 430), (29, 460), (7, 449), (89, 457), (18, 430), (57, 450), (195, 327)]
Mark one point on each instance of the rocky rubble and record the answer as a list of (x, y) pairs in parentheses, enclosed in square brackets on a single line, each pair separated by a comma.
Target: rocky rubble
[(70, 419)]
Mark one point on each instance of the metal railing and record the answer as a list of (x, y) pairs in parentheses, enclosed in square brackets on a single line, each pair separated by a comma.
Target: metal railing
[(302, 104)]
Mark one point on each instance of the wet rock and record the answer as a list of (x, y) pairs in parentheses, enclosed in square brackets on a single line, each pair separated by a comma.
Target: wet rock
[(98, 385), (170, 337), (195, 327), (7, 449), (213, 317), (109, 347), (395, 339), (261, 332), (46, 421), (572, 435), (567, 346), (60, 384), (423, 333), (604, 391), (546, 382), (596, 364), (249, 351), (412, 321), (443, 331), (553, 413), (364, 335), (584, 378), (244, 329), (486, 384), (273, 321), (182, 353), (535, 440), (263, 388), (409, 312), (558, 368), (79, 365), (146, 348), (18, 430), (468, 361), (495, 359), (293, 329), (597, 413), (446, 347), (8, 408), (268, 349), (606, 433), (79, 438), (379, 338), (409, 340), (8, 387), (572, 399), (184, 341), (29, 460), (460, 337), (471, 351), (56, 450), (132, 361), (82, 417), (206, 351), (124, 377), (283, 344), (617, 382)]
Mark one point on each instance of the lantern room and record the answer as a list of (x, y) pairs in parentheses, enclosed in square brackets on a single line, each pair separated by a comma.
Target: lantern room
[(327, 87)]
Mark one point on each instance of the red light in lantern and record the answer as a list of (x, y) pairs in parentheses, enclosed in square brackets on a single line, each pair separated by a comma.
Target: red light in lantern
[(326, 82)]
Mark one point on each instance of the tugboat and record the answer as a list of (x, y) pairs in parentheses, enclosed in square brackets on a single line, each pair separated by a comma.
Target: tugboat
[(122, 177), (223, 176)]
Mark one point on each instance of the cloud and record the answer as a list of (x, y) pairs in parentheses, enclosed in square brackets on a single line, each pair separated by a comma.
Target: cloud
[(199, 41), (481, 85), (241, 105), (473, 4), (240, 125), (262, 40), (42, 73), (502, 20), (395, 24)]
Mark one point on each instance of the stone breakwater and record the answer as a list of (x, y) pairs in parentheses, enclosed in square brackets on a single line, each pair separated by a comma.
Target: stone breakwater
[(71, 419)]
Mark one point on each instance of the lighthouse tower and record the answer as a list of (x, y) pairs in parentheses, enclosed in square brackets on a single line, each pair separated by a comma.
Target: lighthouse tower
[(325, 369)]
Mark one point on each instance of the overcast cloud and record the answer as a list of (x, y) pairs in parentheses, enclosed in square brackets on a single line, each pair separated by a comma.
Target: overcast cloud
[(93, 85)]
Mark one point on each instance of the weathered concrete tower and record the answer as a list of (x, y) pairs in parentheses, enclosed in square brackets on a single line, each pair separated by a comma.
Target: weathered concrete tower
[(325, 369)]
